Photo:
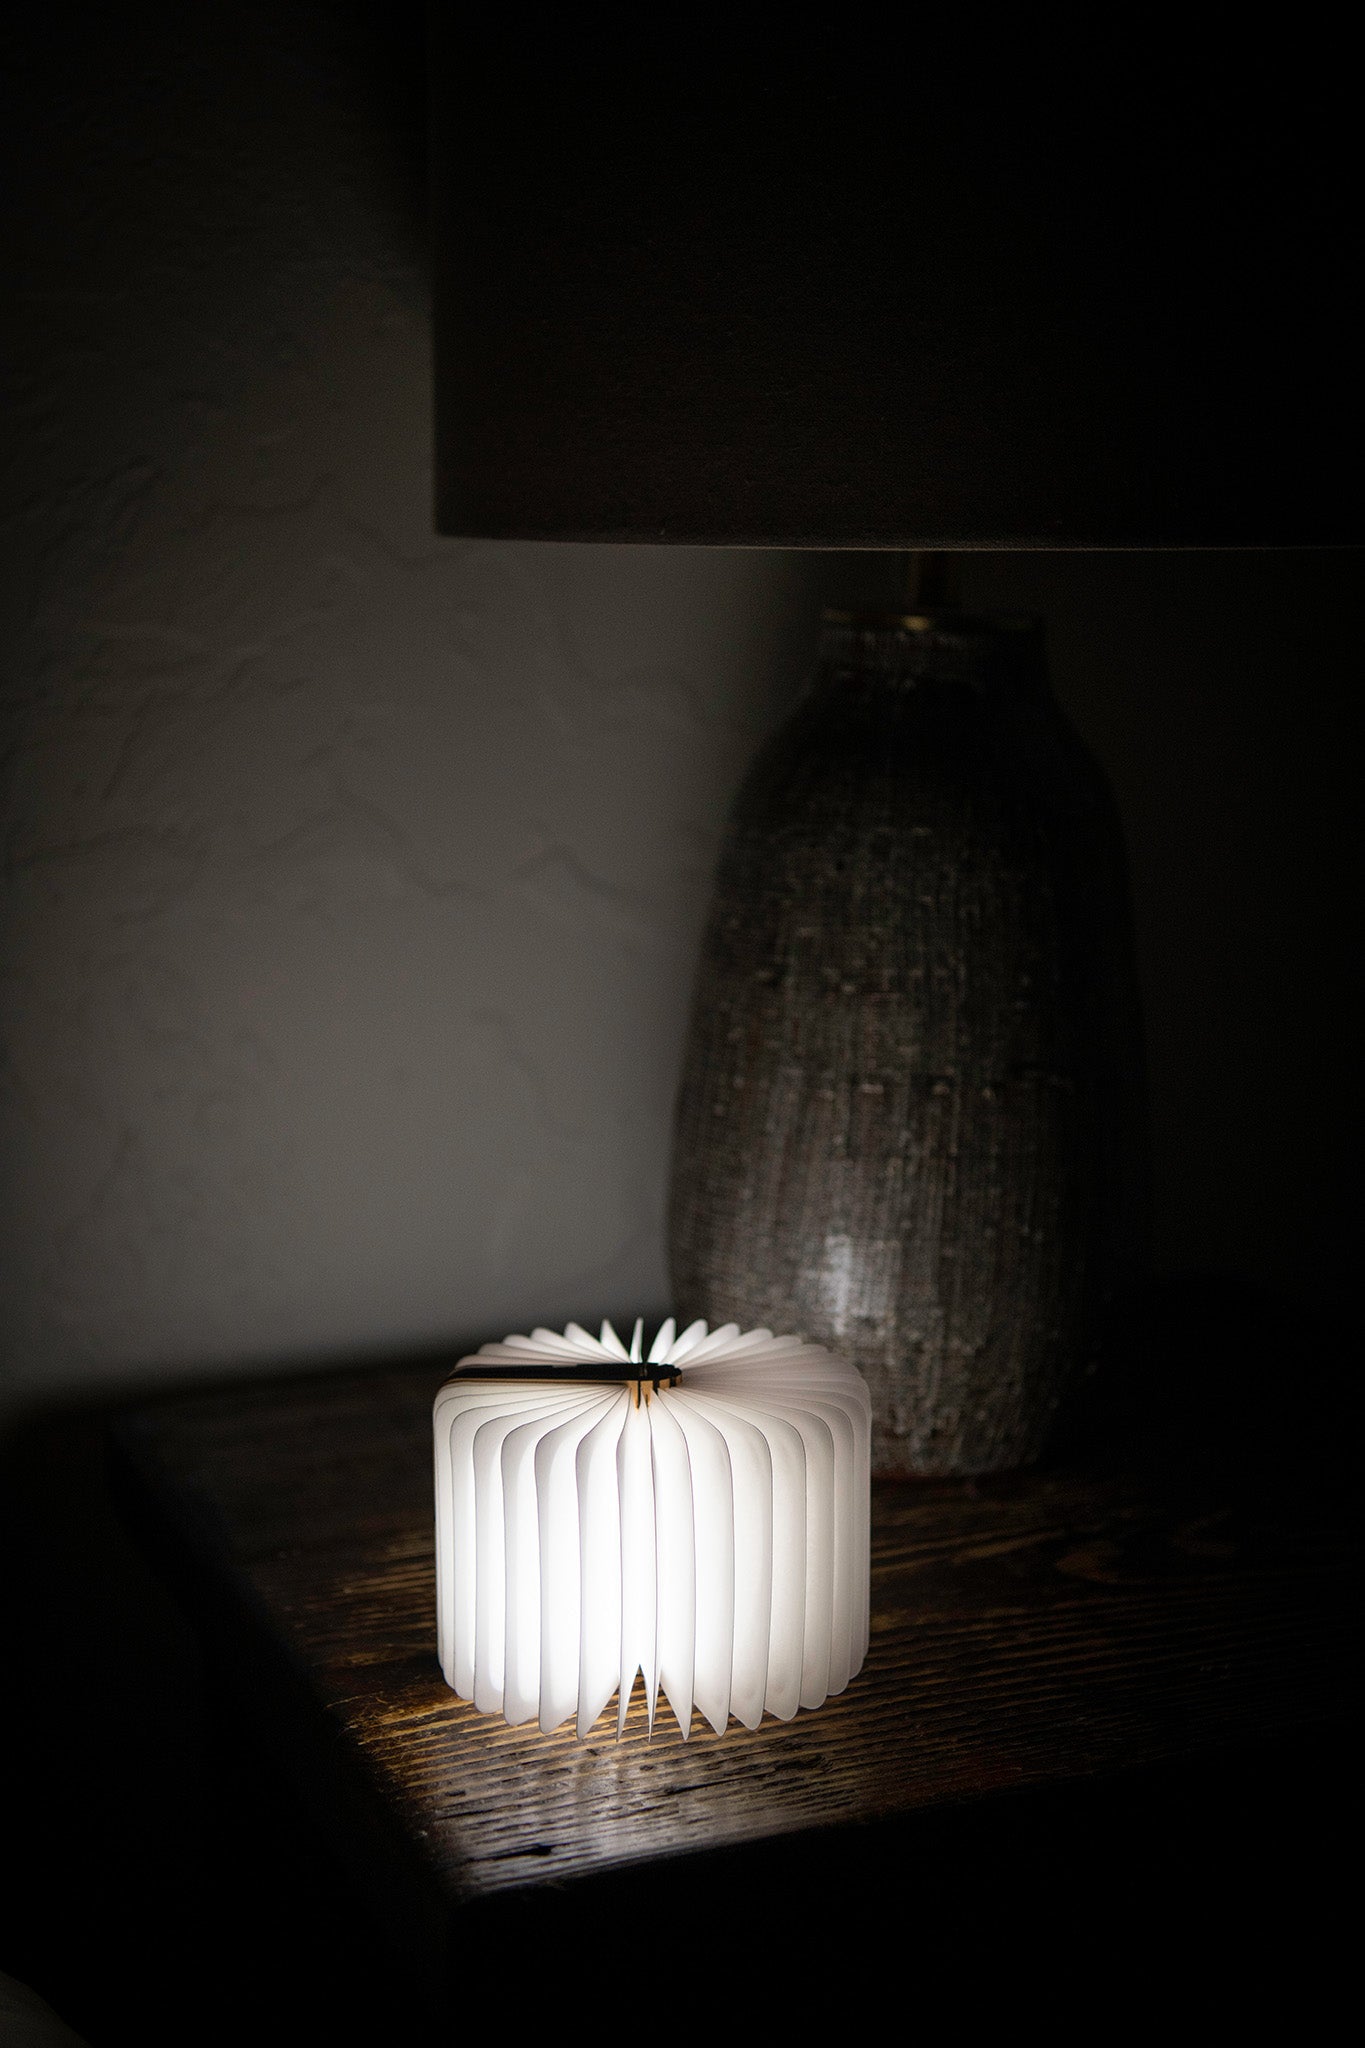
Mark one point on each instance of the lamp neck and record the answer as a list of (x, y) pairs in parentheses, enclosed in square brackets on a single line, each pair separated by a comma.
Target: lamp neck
[(944, 646)]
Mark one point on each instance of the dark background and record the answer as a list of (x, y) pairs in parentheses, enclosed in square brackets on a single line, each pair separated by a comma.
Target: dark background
[(325, 841)]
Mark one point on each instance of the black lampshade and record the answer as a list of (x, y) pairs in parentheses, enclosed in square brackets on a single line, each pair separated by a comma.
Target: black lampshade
[(813, 293)]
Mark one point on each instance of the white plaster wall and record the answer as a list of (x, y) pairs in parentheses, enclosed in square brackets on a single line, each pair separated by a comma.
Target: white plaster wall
[(353, 877)]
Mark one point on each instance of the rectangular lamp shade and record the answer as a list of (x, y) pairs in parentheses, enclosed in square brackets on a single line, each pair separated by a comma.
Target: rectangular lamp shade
[(700, 1516), (799, 290)]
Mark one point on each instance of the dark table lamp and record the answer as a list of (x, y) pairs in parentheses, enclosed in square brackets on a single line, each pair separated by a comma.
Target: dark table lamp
[(778, 297)]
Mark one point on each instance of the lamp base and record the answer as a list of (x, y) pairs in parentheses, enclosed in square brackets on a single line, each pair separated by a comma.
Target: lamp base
[(911, 1111)]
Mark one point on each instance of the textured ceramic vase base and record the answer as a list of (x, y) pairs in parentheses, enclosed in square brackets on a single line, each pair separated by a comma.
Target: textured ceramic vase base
[(904, 1122)]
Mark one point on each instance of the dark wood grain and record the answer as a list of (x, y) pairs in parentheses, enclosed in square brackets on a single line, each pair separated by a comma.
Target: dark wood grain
[(1025, 1633)]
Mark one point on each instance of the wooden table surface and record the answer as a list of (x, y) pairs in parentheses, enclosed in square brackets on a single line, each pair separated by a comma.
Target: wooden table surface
[(1040, 1631)]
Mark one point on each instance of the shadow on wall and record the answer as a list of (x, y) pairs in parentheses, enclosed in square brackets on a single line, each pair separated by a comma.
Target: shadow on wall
[(1218, 692)]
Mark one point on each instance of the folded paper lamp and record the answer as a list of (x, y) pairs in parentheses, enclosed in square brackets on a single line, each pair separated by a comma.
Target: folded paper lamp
[(699, 1516)]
